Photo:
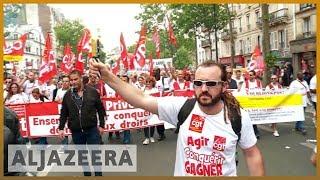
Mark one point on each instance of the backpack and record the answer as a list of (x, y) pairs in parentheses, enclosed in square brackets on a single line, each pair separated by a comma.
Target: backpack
[(189, 105)]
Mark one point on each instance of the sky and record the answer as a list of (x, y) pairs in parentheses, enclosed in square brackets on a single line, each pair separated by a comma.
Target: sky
[(111, 19)]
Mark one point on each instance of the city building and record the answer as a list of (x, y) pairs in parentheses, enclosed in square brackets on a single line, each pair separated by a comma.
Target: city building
[(37, 20), (292, 35), (303, 46)]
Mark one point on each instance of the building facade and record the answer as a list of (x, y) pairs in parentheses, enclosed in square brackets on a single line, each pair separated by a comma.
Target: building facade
[(292, 34), (303, 46)]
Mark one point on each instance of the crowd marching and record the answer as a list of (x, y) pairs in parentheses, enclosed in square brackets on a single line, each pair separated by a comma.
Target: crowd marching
[(22, 90)]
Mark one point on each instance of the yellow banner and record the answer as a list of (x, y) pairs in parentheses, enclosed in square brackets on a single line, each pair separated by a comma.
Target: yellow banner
[(12, 58), (263, 101)]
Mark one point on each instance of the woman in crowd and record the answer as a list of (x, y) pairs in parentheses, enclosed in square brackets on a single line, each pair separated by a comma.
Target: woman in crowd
[(15, 96), (149, 89)]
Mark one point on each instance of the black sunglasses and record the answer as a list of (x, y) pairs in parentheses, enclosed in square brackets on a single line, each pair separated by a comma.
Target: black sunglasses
[(208, 83)]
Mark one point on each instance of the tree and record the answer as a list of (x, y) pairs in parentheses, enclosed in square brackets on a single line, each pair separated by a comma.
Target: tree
[(209, 17), (268, 57), (156, 15), (11, 13), (231, 34), (68, 32)]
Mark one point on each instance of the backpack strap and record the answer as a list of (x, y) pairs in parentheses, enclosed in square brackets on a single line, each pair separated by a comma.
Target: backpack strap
[(185, 112), (189, 105), (236, 122)]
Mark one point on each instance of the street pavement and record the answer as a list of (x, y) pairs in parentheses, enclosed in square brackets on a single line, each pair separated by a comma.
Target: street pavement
[(287, 155)]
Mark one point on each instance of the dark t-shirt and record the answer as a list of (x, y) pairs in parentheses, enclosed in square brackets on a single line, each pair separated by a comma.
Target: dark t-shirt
[(232, 84)]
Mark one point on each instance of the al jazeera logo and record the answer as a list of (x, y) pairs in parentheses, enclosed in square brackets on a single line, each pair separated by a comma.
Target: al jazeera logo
[(75, 158)]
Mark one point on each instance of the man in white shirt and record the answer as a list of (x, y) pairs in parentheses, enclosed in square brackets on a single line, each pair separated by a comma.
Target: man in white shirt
[(301, 86), (239, 79), (313, 92), (207, 131), (63, 90), (29, 83)]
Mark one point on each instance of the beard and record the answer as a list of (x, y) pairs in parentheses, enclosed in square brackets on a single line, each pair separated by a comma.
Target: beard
[(207, 103)]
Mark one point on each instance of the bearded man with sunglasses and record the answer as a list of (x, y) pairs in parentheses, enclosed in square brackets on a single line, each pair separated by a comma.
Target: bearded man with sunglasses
[(206, 142)]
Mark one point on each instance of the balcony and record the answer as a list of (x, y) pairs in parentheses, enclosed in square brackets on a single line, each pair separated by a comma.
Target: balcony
[(275, 18), (307, 34), (205, 43), (225, 35), (279, 17), (305, 7)]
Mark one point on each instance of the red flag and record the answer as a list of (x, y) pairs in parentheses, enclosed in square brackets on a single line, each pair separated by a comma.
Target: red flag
[(14, 69), (124, 53), (256, 62), (48, 67), (140, 53), (156, 40), (172, 38), (16, 51), (67, 60), (150, 65), (83, 46), (115, 67)]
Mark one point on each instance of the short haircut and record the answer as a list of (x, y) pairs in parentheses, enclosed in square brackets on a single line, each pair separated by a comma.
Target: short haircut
[(75, 72), (211, 63)]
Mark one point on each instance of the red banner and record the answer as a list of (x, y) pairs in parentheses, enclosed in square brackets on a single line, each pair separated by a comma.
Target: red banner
[(48, 67), (42, 119), (20, 109), (16, 51)]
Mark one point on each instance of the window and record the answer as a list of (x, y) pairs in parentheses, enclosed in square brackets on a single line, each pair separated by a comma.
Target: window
[(240, 26), (306, 27), (28, 49), (258, 41), (257, 15), (241, 46), (248, 21), (15, 36), (37, 51), (249, 45), (306, 24), (282, 40), (239, 6), (273, 40)]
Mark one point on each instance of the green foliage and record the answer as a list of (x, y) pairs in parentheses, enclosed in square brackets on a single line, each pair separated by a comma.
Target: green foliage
[(69, 32), (11, 12), (182, 59), (156, 15), (270, 60)]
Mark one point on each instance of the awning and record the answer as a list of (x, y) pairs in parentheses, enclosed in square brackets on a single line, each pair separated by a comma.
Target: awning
[(239, 59)]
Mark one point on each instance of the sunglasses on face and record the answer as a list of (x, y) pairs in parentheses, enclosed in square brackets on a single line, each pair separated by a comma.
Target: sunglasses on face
[(251, 75), (199, 83), (273, 78)]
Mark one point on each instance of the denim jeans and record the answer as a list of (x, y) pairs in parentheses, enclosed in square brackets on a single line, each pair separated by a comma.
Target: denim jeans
[(300, 124), (126, 137), (148, 132), (43, 141), (89, 136)]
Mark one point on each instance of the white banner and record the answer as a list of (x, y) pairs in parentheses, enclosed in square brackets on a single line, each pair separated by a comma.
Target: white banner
[(265, 106)]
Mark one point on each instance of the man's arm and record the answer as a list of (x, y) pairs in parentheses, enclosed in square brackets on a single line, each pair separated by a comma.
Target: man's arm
[(131, 94), (64, 113), (254, 161)]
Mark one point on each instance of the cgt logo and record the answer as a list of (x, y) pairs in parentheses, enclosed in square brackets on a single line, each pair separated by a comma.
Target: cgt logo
[(219, 143), (196, 123)]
